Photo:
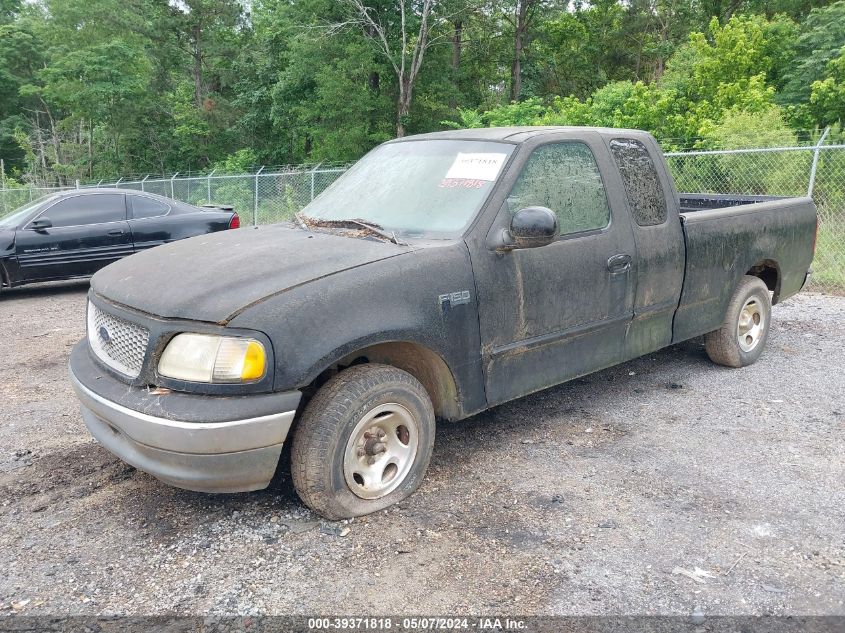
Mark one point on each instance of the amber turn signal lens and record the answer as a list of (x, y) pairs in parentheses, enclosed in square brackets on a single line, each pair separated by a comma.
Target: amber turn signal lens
[(213, 359)]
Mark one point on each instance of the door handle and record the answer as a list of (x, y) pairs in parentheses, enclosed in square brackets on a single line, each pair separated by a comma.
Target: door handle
[(620, 263), (116, 232)]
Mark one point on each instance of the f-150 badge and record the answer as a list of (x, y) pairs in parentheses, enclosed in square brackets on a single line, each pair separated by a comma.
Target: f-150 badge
[(452, 299)]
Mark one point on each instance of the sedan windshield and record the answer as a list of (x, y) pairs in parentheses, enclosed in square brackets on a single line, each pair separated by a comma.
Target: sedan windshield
[(431, 187)]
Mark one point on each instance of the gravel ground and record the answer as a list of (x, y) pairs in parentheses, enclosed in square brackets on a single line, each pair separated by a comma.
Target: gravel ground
[(667, 485)]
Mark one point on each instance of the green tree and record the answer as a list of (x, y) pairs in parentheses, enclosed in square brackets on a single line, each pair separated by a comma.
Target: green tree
[(101, 86), (20, 57), (402, 33), (821, 40), (330, 96), (827, 97), (148, 85)]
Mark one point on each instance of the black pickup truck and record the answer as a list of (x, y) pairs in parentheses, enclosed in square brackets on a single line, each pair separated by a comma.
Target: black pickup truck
[(443, 274)]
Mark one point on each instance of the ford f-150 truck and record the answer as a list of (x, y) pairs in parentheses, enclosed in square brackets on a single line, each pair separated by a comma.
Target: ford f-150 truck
[(442, 275)]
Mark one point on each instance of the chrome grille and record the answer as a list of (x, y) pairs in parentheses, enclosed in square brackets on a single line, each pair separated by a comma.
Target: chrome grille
[(117, 342)]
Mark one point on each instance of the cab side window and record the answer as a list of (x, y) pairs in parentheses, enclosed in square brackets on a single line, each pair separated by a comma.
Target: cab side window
[(565, 178), (146, 207), (87, 209), (642, 184)]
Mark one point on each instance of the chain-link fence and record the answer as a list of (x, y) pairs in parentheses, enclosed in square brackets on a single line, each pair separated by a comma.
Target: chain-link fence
[(817, 171), (11, 199), (264, 197), (269, 196)]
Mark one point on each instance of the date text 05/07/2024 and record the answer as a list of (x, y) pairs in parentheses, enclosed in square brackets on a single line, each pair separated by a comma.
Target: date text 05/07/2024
[(417, 624)]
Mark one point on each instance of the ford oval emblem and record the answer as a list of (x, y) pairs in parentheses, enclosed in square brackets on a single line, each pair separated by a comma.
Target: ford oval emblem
[(105, 337)]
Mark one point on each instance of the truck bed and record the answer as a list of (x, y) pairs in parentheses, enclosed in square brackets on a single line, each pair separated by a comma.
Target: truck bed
[(726, 236)]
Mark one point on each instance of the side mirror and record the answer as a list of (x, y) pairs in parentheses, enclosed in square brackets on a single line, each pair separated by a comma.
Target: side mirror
[(532, 227), (40, 224)]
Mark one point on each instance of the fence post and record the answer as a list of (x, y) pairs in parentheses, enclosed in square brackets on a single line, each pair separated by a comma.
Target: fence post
[(208, 182), (313, 171), (171, 185), (118, 182), (143, 181), (255, 208), (816, 162), (77, 183)]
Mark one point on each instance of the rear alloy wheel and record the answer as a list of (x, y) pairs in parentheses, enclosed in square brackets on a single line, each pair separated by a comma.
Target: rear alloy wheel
[(364, 442), (743, 334), (751, 325)]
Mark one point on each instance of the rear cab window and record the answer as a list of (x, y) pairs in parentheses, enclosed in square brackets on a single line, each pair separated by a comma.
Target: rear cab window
[(643, 190), (565, 178)]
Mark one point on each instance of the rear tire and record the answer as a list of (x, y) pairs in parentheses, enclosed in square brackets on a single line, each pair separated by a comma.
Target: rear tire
[(744, 332), (364, 442)]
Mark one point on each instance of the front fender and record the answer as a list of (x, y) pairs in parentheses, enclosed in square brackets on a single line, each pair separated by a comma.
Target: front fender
[(426, 298)]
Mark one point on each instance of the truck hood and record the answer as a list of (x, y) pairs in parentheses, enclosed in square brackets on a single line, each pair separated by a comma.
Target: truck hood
[(214, 277)]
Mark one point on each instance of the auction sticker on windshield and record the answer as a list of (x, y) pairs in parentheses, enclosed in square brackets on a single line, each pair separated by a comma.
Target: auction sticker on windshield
[(476, 166)]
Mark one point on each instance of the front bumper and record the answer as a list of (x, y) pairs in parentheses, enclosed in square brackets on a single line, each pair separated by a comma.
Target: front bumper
[(198, 442)]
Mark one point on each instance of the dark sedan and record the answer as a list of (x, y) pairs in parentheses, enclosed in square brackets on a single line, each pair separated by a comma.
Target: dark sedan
[(73, 234)]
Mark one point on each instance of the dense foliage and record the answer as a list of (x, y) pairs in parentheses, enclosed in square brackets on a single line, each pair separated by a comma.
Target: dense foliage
[(103, 88)]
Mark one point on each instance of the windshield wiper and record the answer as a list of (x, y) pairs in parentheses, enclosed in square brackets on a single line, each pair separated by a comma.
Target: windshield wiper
[(378, 230), (352, 223)]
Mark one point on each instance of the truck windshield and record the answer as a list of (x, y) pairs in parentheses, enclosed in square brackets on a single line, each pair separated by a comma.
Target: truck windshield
[(426, 187)]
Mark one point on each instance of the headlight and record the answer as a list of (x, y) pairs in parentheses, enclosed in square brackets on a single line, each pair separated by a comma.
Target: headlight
[(207, 358)]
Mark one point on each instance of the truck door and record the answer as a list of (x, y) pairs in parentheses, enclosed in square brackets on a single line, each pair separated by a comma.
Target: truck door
[(554, 312), (658, 238)]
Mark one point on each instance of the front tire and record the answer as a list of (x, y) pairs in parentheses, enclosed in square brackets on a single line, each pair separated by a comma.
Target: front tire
[(364, 442), (744, 332)]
